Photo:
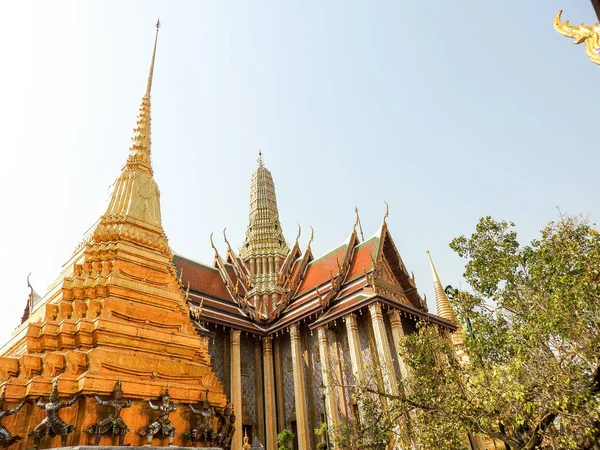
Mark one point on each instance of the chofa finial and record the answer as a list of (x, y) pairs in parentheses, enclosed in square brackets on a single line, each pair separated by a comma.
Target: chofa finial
[(212, 244), (387, 211), (357, 223), (225, 236)]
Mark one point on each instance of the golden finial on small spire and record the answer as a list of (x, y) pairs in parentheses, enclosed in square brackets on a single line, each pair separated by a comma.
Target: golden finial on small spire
[(442, 304), (260, 161)]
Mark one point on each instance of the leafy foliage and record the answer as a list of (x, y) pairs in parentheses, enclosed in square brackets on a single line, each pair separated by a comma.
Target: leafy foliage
[(322, 433), (284, 440), (532, 378), (378, 421)]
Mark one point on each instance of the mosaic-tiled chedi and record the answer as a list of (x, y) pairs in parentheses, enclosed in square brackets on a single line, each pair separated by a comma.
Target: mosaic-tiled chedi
[(116, 312)]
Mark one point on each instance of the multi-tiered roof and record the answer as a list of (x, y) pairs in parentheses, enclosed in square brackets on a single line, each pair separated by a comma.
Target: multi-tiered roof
[(267, 286)]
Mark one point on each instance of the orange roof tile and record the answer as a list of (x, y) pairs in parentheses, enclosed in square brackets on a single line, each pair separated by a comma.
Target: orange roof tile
[(362, 258), (319, 271), (295, 268), (203, 279)]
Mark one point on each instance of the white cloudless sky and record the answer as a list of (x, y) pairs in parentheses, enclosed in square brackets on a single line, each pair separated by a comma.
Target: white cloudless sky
[(448, 110)]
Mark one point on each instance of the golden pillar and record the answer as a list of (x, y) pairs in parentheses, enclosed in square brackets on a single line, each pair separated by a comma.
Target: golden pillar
[(310, 388), (271, 425), (236, 387), (299, 390), (336, 361), (398, 335), (258, 385), (356, 360), (331, 403), (279, 386), (383, 349)]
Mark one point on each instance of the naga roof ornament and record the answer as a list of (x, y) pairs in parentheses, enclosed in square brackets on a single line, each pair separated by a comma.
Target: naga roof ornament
[(581, 34)]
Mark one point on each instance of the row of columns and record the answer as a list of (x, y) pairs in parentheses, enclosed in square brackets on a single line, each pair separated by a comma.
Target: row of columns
[(270, 425), (275, 412)]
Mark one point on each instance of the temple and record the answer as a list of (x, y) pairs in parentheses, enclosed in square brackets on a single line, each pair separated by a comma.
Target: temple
[(265, 333), (288, 329)]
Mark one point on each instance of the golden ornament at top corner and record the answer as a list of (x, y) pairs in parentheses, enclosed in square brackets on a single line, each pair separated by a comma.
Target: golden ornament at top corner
[(582, 33)]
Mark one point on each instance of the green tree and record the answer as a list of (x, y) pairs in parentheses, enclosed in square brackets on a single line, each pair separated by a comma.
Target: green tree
[(378, 422), (532, 322), (284, 440)]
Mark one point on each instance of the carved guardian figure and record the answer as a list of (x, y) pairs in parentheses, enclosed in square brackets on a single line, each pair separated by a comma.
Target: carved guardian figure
[(52, 425), (203, 430), (223, 437), (7, 439), (162, 424), (113, 423)]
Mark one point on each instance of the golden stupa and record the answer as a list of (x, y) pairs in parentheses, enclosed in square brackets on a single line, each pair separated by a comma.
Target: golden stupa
[(117, 311)]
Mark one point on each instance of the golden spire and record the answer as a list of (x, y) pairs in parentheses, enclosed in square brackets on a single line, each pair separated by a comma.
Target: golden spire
[(151, 71), (264, 248), (444, 310), (582, 33), (442, 304), (134, 208), (139, 152)]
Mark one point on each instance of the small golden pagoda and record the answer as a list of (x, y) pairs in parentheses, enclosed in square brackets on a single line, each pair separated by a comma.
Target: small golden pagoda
[(116, 312)]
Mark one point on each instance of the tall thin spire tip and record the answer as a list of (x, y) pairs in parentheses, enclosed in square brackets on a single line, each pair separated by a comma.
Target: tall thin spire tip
[(151, 71)]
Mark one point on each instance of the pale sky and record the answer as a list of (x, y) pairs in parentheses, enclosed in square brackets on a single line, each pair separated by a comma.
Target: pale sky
[(448, 110)]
